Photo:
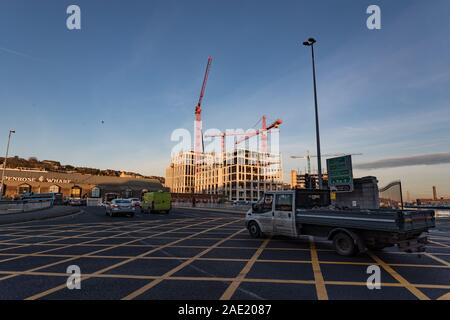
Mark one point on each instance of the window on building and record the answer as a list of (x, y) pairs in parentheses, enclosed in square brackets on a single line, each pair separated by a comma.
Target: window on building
[(24, 188), (95, 192), (54, 189), (75, 192)]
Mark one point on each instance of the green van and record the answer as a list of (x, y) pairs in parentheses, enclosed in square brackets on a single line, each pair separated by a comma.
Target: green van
[(160, 201)]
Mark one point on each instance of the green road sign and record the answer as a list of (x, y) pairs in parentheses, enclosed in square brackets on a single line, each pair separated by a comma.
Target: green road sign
[(340, 174)]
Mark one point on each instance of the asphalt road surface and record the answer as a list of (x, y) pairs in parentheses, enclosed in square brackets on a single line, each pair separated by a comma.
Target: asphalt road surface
[(191, 254)]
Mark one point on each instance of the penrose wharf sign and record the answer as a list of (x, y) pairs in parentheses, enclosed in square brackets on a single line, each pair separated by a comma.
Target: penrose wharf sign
[(37, 179)]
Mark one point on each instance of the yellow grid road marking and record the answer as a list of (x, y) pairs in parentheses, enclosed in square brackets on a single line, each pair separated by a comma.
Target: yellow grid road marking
[(60, 287), (419, 294), (224, 279), (437, 259), (440, 244), (248, 266), (406, 285), (318, 277), (77, 244), (176, 269), (101, 250), (444, 296)]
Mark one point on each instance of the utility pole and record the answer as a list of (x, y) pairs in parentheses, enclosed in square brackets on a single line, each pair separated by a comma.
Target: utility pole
[(4, 163), (310, 43)]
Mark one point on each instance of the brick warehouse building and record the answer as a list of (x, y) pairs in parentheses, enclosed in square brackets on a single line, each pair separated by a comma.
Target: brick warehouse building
[(76, 185)]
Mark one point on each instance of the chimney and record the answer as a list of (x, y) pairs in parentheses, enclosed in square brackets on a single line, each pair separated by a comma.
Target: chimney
[(434, 193)]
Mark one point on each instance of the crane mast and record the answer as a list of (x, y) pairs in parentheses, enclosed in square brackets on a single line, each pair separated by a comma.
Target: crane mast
[(198, 139)]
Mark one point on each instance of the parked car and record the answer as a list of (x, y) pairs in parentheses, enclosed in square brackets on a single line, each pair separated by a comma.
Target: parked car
[(119, 207), (110, 196), (241, 203), (135, 202), (75, 202)]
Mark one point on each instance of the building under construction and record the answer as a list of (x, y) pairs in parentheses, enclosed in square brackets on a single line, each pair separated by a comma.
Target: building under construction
[(236, 174), (241, 175)]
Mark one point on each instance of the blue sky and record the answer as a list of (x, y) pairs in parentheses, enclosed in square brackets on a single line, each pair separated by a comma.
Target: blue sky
[(138, 66)]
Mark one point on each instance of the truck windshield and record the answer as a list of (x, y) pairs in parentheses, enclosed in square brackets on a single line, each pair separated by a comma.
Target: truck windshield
[(267, 202)]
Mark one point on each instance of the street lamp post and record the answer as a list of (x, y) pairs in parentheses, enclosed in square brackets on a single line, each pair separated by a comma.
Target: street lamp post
[(310, 43), (4, 162)]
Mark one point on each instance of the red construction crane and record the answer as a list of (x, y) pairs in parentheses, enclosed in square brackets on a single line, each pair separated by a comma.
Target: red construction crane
[(222, 136), (198, 139), (263, 131)]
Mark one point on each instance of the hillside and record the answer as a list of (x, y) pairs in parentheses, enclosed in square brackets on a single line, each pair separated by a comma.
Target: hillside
[(56, 166)]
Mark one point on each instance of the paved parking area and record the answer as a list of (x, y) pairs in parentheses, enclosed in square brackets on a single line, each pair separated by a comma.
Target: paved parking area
[(207, 256)]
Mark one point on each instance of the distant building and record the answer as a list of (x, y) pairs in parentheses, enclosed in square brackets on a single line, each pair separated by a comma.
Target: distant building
[(180, 173), (77, 185), (432, 202), (435, 201), (124, 174), (240, 175), (306, 181)]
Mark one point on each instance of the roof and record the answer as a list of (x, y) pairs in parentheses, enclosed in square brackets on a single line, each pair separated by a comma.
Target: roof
[(79, 178)]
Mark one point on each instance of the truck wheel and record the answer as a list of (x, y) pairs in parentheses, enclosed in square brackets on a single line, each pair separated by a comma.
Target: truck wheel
[(254, 230), (344, 244)]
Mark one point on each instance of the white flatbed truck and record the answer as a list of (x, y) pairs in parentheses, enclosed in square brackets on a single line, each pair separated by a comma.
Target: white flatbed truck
[(294, 213)]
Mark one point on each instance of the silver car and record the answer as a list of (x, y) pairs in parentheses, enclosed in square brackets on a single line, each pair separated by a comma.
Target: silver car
[(119, 207)]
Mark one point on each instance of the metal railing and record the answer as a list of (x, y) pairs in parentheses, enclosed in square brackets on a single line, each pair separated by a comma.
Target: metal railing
[(18, 206)]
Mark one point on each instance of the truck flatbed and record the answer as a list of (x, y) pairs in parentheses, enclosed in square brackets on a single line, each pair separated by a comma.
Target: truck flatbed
[(381, 220)]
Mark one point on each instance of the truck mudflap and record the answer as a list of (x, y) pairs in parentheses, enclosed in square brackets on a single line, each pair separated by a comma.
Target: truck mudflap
[(413, 245)]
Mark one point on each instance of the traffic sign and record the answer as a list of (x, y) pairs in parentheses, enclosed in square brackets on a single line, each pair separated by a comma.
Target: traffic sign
[(340, 174)]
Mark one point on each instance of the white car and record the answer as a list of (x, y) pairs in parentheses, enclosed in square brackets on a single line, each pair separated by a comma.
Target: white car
[(120, 207), (135, 202)]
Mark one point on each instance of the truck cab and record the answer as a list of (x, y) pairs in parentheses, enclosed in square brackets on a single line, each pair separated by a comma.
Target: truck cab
[(273, 214)]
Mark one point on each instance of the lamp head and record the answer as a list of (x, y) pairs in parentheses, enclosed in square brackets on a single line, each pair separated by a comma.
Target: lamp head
[(309, 42)]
